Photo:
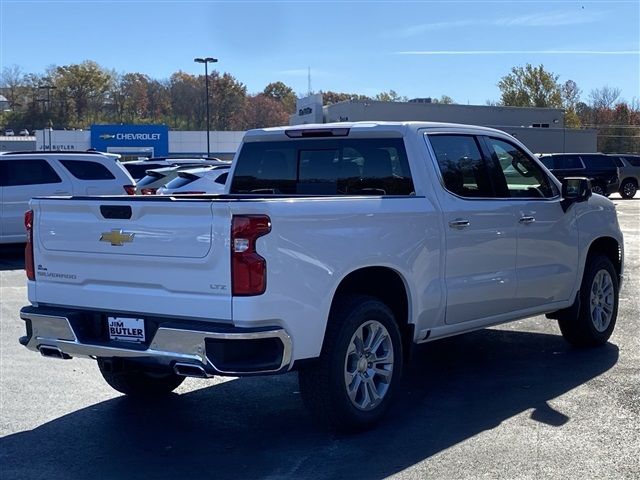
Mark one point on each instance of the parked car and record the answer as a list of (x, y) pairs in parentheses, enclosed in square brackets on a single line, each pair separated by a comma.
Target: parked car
[(197, 181), (629, 166), (599, 168), (24, 132), (160, 177), (24, 175), (334, 249), (139, 168), (9, 132)]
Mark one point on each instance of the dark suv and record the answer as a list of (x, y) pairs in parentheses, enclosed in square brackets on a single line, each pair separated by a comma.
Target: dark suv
[(601, 169)]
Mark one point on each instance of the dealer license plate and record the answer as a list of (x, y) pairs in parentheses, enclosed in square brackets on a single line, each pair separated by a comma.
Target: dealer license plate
[(126, 329)]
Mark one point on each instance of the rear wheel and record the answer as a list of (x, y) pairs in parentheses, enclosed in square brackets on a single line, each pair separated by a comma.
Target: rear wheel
[(628, 188), (598, 306), (135, 381), (350, 386)]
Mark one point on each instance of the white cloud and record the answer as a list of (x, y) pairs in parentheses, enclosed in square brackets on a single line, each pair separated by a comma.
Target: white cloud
[(548, 19)]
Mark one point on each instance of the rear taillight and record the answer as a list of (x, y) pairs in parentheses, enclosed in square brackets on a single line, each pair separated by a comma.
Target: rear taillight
[(248, 269), (130, 189), (148, 191), (28, 249)]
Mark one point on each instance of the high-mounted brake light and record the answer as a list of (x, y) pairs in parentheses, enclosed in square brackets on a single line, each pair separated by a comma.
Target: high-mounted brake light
[(317, 132), (248, 268), (130, 189), (28, 248)]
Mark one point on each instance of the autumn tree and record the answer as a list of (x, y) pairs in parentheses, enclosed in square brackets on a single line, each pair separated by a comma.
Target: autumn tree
[(329, 97), (570, 98), (530, 86), (261, 111), (12, 84), (283, 94)]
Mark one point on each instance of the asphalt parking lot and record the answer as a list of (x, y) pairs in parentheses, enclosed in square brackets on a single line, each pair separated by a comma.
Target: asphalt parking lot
[(512, 402)]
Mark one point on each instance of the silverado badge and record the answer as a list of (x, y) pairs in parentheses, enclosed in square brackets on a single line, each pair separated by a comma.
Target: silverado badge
[(117, 238)]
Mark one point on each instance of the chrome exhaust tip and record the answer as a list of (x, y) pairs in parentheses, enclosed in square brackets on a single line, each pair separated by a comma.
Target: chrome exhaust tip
[(52, 352), (189, 370)]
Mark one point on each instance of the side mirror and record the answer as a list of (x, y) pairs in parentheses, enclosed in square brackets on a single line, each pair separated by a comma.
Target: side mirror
[(575, 189)]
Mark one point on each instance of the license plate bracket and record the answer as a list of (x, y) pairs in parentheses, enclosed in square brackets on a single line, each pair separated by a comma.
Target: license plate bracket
[(126, 329)]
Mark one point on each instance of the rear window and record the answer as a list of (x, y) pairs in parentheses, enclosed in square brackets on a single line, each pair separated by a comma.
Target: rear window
[(84, 170), (137, 170), (149, 178), (324, 167), (181, 180)]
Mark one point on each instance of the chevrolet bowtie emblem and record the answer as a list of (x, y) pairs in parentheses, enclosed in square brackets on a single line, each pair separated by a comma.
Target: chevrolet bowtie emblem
[(117, 238)]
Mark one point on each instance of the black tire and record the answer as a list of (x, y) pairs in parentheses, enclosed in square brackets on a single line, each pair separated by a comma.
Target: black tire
[(628, 188), (599, 189), (323, 385), (576, 324), (134, 381)]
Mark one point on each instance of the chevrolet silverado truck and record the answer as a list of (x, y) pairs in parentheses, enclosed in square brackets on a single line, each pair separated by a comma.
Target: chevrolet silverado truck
[(333, 250)]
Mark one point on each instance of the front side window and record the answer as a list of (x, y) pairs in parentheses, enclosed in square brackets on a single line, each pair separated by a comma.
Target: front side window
[(462, 166), (84, 170), (27, 172), (568, 162), (522, 176), (324, 167)]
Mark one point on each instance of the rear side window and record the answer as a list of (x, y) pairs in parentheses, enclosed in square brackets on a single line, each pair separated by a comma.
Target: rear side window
[(222, 179), (27, 172), (324, 167), (84, 170), (599, 161), (634, 161), (462, 166)]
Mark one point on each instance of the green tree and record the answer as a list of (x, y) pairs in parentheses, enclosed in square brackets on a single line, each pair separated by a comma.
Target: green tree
[(228, 97), (530, 86), (282, 93), (570, 98), (390, 96), (85, 86)]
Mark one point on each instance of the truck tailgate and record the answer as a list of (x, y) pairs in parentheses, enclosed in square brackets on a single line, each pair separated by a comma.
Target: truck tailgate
[(167, 257)]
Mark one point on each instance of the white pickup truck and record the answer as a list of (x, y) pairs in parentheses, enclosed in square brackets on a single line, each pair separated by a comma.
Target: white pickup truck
[(334, 249)]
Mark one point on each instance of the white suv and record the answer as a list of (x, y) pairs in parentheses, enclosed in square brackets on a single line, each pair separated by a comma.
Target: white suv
[(24, 175)]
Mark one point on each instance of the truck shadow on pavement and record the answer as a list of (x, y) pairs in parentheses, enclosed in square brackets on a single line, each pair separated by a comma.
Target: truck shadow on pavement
[(11, 256), (257, 427)]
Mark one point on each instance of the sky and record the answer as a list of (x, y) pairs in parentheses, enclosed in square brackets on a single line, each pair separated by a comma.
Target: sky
[(417, 48)]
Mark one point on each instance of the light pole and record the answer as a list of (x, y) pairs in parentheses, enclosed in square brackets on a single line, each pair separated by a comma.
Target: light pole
[(206, 61), (48, 88)]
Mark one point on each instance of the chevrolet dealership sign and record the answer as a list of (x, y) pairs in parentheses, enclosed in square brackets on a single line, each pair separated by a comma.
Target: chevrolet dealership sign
[(149, 136)]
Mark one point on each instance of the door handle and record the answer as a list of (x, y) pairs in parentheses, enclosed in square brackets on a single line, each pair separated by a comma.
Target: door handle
[(527, 220), (459, 223)]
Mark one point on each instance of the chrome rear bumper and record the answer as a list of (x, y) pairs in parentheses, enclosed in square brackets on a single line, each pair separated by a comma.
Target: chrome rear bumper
[(168, 346)]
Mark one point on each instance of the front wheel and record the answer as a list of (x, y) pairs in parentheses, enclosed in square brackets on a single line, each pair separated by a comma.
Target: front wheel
[(598, 189), (350, 386), (598, 309), (135, 381), (628, 189)]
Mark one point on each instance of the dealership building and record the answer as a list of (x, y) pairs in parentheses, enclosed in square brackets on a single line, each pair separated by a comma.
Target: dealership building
[(138, 141), (542, 130)]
